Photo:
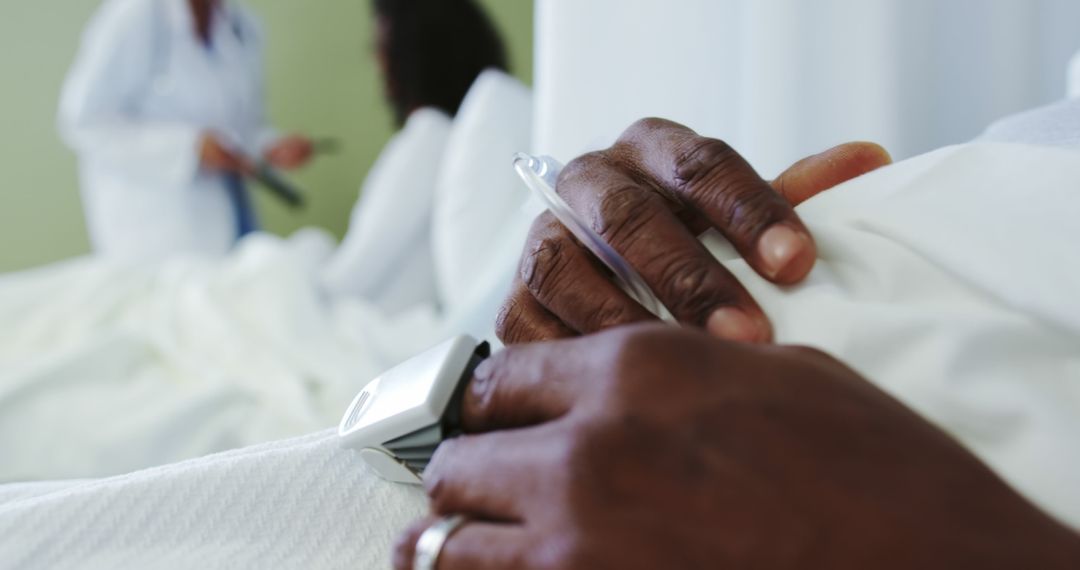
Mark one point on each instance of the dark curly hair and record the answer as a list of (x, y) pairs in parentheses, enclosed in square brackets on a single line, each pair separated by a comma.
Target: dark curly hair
[(433, 50)]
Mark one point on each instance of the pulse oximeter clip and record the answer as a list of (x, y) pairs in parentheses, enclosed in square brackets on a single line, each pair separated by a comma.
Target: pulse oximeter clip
[(399, 419)]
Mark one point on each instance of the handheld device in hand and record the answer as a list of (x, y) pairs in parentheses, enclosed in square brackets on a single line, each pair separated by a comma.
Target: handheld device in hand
[(399, 419), (279, 186), (540, 174), (282, 188)]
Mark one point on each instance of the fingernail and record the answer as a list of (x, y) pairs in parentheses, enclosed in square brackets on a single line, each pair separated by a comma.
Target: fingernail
[(787, 254), (736, 325), (483, 370)]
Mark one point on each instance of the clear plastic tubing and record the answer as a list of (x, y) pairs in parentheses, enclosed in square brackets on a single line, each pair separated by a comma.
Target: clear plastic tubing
[(540, 175)]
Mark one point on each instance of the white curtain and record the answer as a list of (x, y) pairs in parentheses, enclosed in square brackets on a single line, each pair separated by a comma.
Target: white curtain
[(780, 79)]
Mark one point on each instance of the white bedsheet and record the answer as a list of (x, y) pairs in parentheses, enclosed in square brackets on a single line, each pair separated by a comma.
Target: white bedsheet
[(302, 503), (106, 369), (949, 279)]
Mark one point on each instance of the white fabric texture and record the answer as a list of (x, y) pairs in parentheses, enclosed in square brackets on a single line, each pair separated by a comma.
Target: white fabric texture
[(478, 193), (1057, 124), (108, 368), (141, 92), (302, 503), (782, 79), (946, 279), (386, 257)]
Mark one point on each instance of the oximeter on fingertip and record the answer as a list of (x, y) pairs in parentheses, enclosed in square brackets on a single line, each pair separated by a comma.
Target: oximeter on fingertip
[(399, 419)]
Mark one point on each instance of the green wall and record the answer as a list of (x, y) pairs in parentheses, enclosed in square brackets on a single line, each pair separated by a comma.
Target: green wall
[(322, 81)]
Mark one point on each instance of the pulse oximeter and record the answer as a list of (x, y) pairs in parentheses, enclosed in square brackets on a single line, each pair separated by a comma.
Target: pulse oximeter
[(399, 419)]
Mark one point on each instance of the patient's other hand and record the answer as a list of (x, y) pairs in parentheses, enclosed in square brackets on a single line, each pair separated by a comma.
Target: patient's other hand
[(290, 152), (649, 196), (661, 447)]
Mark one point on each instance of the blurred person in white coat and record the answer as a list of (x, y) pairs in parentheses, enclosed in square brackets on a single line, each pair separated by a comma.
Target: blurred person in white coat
[(164, 106)]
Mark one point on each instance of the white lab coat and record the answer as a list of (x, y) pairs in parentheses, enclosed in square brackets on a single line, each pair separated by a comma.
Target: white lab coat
[(140, 94)]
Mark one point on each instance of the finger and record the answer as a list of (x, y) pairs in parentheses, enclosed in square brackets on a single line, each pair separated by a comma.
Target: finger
[(491, 476), (476, 545), (568, 282), (239, 163), (284, 155), (306, 149), (709, 176), (815, 174), (637, 223), (526, 385), (523, 319)]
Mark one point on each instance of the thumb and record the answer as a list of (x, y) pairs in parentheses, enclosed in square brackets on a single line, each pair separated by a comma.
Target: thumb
[(815, 174)]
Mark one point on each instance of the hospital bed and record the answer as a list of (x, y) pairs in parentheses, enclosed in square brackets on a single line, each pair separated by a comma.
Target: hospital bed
[(911, 289)]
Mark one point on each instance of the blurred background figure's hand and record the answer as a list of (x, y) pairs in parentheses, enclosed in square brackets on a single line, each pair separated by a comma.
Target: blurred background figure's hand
[(290, 152), (217, 156)]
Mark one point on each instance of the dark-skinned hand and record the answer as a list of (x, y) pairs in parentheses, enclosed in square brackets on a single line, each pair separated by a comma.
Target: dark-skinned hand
[(652, 446), (650, 196)]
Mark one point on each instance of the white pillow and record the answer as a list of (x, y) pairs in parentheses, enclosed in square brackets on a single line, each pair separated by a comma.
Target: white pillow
[(478, 191), (385, 257)]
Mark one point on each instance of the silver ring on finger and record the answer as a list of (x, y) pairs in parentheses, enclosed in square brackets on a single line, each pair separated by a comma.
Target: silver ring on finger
[(430, 544)]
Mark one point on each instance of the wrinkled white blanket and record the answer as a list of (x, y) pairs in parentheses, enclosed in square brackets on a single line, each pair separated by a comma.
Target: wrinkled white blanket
[(105, 369), (949, 279)]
